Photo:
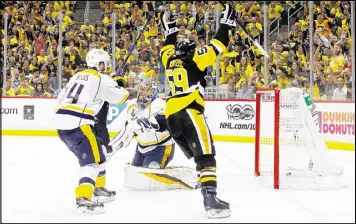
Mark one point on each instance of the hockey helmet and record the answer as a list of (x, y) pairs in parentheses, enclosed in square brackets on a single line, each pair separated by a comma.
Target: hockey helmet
[(95, 57), (147, 91), (183, 47)]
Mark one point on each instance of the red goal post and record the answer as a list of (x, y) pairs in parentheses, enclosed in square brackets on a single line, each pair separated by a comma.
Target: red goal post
[(288, 145), (276, 133)]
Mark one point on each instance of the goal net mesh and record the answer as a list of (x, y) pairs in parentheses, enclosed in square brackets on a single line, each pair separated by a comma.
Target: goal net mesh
[(303, 161)]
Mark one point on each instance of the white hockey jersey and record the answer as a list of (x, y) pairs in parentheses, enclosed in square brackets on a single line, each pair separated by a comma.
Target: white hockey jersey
[(83, 97), (155, 113)]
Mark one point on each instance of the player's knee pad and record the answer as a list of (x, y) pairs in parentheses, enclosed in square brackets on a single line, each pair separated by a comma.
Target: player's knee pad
[(205, 161)]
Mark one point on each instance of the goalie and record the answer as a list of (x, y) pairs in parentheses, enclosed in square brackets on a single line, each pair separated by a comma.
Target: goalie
[(146, 122)]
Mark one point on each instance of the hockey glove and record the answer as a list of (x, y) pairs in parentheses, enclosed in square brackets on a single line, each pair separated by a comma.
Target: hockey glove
[(228, 16), (121, 81), (168, 23)]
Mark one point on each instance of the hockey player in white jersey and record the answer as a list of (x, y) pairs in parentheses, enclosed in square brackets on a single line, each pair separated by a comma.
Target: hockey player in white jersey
[(155, 146), (79, 102)]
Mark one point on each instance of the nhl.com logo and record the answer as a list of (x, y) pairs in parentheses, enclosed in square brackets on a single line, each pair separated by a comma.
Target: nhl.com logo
[(238, 112)]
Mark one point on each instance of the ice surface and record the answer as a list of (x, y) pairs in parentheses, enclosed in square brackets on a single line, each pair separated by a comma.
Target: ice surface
[(39, 175)]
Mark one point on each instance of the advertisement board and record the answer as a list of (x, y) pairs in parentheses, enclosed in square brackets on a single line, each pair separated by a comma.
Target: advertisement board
[(232, 120), (337, 122)]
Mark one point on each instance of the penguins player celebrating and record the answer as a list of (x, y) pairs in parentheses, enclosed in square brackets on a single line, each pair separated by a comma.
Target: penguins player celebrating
[(186, 66)]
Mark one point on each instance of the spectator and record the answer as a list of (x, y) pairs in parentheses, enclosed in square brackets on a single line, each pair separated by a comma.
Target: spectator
[(226, 71), (9, 89), (40, 91), (330, 86), (275, 12), (24, 89), (131, 86), (337, 64), (245, 92), (340, 92), (254, 28)]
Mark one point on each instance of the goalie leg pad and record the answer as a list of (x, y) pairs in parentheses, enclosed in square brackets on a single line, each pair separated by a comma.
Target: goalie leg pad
[(141, 178)]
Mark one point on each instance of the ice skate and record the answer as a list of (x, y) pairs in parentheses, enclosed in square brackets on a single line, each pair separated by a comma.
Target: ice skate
[(103, 195), (215, 207), (86, 206)]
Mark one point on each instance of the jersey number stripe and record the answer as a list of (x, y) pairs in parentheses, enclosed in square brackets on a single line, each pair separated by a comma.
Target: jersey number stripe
[(77, 92), (178, 80)]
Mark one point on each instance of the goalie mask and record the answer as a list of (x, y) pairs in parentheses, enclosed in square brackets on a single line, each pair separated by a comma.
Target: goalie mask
[(147, 91)]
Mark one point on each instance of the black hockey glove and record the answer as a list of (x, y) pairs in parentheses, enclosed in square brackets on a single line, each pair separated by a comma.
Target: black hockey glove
[(121, 81), (168, 23), (228, 16)]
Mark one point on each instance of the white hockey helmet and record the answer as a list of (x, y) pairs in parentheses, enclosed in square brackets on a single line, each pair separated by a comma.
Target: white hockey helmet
[(97, 56)]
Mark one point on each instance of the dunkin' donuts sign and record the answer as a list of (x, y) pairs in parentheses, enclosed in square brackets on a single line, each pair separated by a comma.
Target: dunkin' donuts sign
[(337, 123)]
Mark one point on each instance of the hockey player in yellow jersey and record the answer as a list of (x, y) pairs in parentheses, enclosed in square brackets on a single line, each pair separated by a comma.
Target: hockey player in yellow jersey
[(79, 102), (186, 66)]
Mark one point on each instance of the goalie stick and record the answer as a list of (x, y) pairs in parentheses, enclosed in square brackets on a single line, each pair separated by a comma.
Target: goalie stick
[(255, 42)]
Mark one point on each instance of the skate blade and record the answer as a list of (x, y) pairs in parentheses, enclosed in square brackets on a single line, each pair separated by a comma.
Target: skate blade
[(102, 199), (86, 210), (218, 213)]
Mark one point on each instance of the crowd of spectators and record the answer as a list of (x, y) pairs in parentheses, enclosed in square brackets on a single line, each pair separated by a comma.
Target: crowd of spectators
[(242, 68), (32, 53), (33, 35)]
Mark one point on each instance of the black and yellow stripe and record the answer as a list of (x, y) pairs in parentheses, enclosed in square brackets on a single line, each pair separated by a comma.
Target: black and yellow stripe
[(208, 177), (202, 130)]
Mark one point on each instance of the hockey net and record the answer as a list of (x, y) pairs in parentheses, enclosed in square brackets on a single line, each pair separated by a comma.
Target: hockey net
[(288, 144)]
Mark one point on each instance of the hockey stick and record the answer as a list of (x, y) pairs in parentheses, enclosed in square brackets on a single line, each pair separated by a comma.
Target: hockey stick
[(150, 15), (248, 35), (117, 138)]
